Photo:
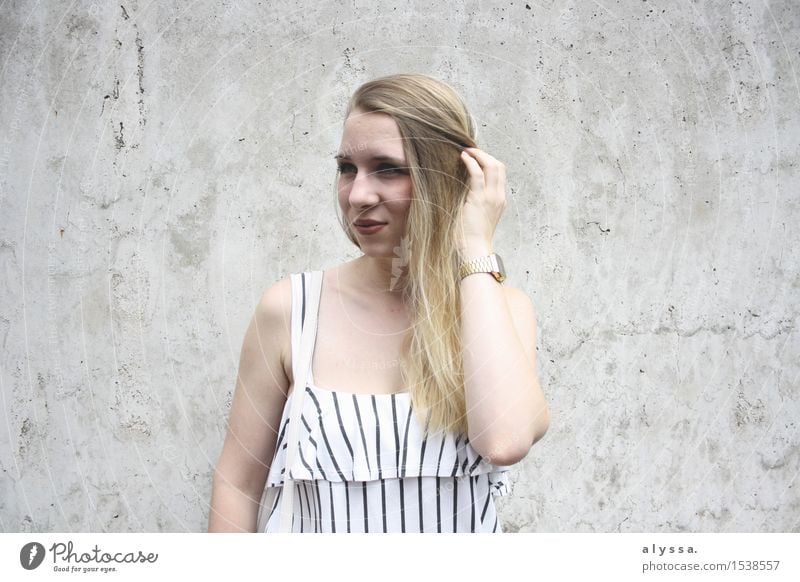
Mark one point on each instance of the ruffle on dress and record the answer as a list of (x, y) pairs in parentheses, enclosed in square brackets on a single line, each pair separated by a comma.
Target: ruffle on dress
[(364, 437)]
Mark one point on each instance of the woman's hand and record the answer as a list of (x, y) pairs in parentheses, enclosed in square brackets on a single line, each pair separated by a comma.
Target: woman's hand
[(485, 201)]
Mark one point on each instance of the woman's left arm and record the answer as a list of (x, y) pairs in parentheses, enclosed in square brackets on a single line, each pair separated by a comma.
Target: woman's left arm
[(506, 409)]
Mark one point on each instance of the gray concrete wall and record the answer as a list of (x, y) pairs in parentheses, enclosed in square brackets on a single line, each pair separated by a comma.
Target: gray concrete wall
[(162, 163)]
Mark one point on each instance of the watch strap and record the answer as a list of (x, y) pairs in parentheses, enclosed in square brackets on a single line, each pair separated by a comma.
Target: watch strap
[(487, 264)]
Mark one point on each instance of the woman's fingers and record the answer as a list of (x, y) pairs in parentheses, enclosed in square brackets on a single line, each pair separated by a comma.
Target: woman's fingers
[(493, 171), (487, 196), (476, 175)]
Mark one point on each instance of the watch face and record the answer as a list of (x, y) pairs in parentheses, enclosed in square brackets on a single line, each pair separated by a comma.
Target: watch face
[(500, 266)]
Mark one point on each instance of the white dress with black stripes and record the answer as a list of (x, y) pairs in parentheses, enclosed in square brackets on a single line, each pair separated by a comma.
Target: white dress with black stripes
[(364, 464)]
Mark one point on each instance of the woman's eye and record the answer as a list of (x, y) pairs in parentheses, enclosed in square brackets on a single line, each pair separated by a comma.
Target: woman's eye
[(388, 169), (383, 169)]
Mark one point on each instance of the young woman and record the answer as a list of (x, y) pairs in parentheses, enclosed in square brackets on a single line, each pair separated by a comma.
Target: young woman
[(422, 384)]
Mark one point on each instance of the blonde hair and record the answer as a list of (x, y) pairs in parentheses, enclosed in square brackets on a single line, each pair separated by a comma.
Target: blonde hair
[(435, 126)]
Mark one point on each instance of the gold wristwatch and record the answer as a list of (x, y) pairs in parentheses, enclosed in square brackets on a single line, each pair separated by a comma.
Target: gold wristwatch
[(492, 264)]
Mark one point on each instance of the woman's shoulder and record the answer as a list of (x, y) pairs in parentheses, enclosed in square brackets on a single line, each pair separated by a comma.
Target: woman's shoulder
[(276, 299), (274, 313), (279, 293)]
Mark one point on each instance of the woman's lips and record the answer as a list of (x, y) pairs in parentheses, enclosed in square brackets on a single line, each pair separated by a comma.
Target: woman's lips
[(370, 229)]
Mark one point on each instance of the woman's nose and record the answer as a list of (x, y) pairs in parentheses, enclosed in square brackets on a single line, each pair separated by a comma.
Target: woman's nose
[(362, 190)]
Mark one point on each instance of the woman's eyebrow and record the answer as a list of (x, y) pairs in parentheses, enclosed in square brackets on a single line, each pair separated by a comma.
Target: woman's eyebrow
[(389, 159)]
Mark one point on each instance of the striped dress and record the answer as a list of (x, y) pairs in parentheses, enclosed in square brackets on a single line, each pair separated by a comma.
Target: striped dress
[(365, 464)]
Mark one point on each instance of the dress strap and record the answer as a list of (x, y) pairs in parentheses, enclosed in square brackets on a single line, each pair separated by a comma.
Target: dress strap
[(306, 289)]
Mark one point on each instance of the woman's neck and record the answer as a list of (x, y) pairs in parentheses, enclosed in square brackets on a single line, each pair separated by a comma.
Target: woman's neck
[(377, 276)]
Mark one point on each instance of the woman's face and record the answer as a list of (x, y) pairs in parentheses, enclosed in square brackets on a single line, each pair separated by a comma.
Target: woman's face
[(374, 182)]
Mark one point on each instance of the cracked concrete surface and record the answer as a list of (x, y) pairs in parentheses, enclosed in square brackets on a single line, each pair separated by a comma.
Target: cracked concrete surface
[(162, 163)]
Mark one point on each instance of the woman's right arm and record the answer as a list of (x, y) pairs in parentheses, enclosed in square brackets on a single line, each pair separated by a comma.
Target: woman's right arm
[(258, 400)]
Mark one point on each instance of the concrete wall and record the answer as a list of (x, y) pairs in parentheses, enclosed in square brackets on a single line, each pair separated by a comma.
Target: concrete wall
[(162, 163)]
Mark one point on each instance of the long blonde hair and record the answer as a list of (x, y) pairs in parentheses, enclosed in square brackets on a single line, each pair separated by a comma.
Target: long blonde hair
[(435, 126)]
